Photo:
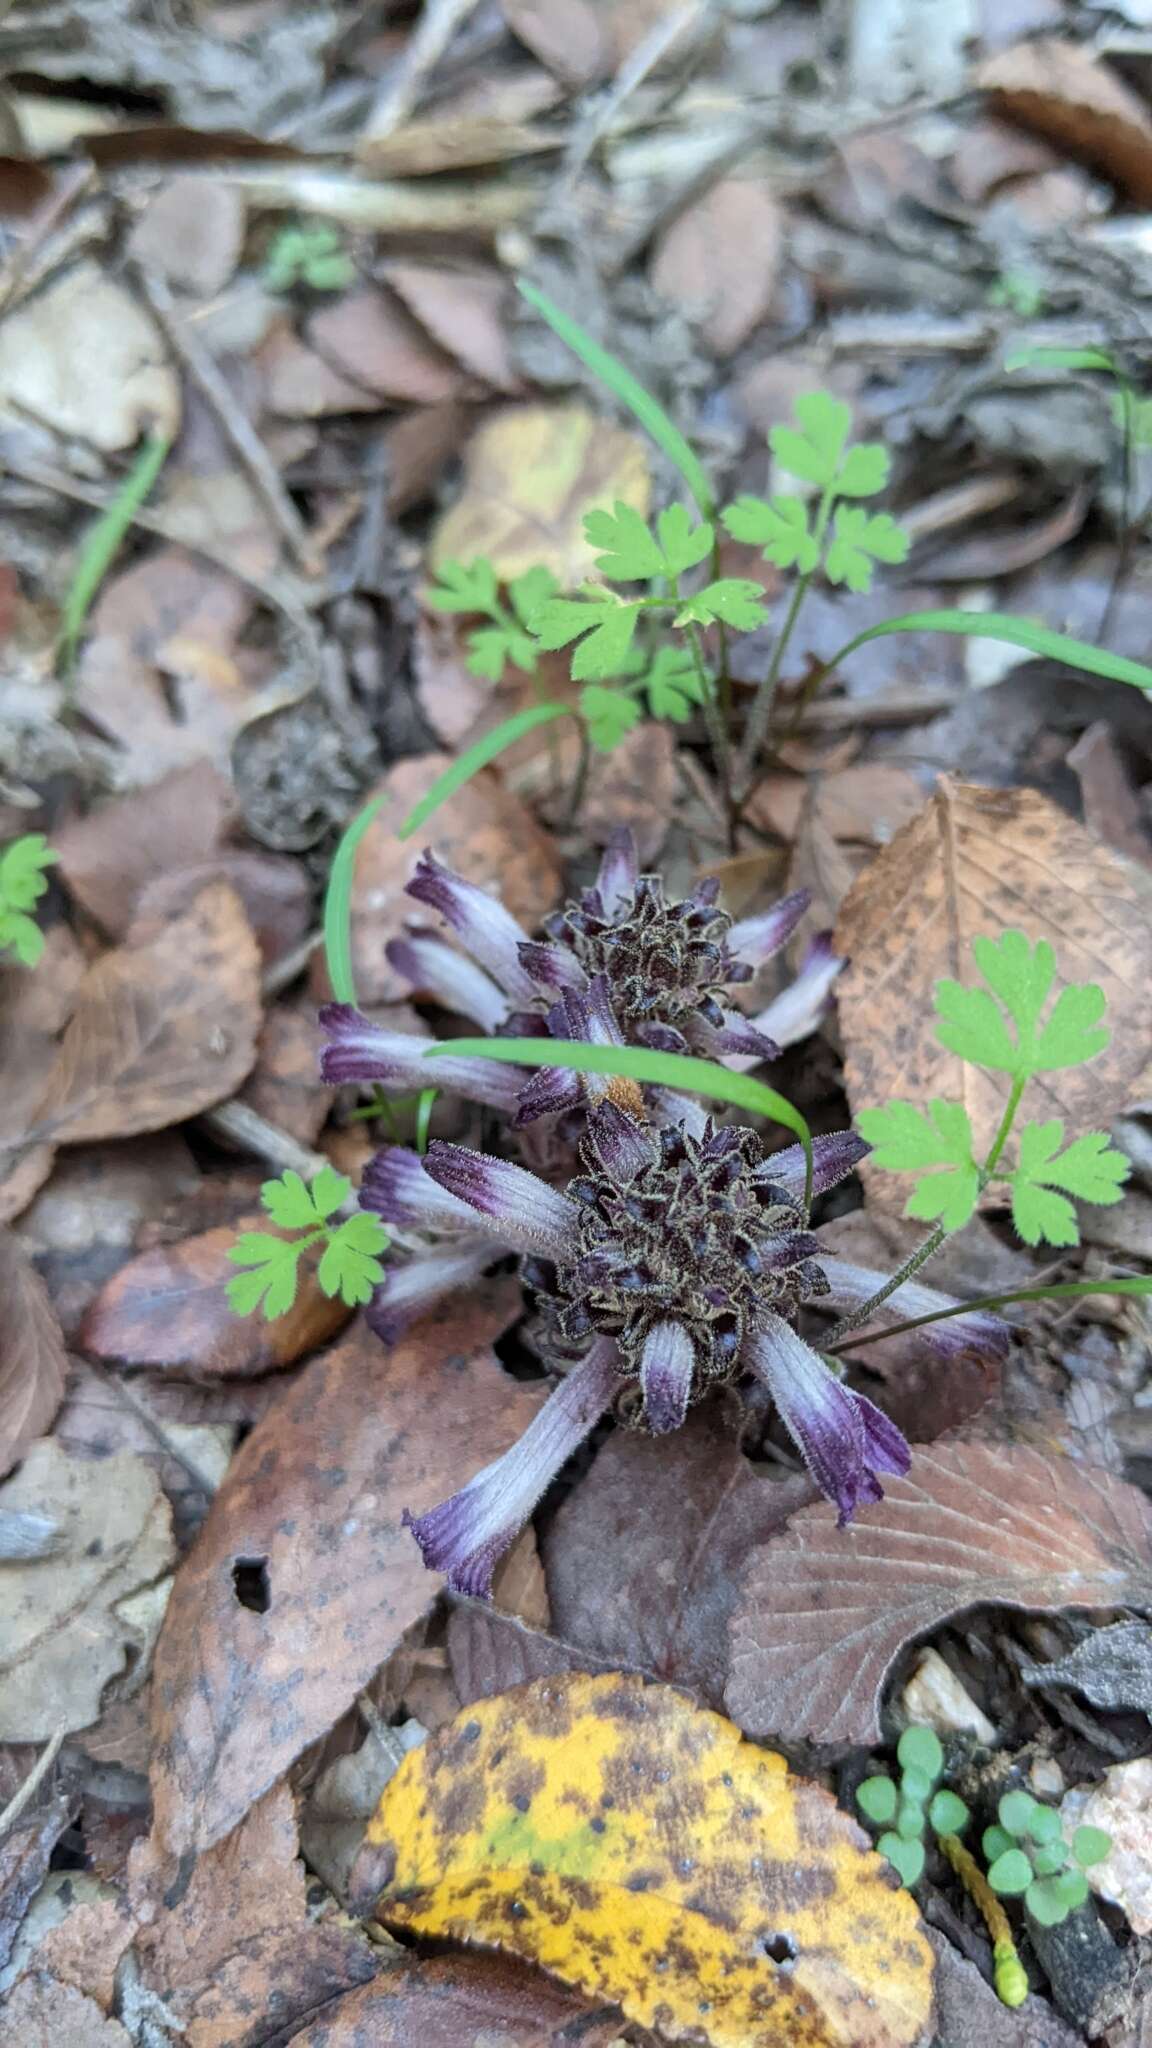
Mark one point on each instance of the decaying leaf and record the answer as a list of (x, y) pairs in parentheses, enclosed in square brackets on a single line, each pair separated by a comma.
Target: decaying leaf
[(983, 861), (636, 1847), (463, 310), (718, 260), (169, 1307), (285, 1084), (1065, 92), (84, 358), (61, 1624), (40, 2012), (369, 337), (461, 2002), (485, 832), (164, 1026), (825, 1612), (530, 474), (635, 1587), (107, 858), (34, 1008), (312, 1506), (238, 1955), (1112, 1667), (33, 1361)]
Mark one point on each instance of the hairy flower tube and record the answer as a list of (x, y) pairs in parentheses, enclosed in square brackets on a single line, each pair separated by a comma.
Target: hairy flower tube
[(675, 1261), (619, 965)]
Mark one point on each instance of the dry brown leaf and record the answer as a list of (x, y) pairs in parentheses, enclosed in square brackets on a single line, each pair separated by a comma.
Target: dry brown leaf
[(83, 1226), (34, 1008), (1063, 91), (192, 232), (107, 858), (284, 1085), (314, 1498), (84, 358), (531, 473), (572, 37), (463, 310), (33, 1361), (169, 1308), (238, 1954), (825, 1612), (867, 802), (718, 260), (982, 861), (635, 785), (273, 888), (40, 2012), (461, 2001), (299, 384), (485, 832), (369, 337), (165, 1025), (26, 1844), (1112, 808), (635, 1588), (60, 1621)]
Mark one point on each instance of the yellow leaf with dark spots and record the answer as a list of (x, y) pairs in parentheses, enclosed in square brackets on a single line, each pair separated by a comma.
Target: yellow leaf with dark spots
[(640, 1849)]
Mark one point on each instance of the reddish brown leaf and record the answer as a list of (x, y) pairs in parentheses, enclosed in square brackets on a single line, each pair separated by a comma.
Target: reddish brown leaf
[(315, 1497), (369, 337), (641, 1585), (1061, 90), (34, 1008), (491, 1652), (718, 260), (485, 832), (165, 1025), (237, 1958), (461, 2001), (33, 1361), (273, 888), (464, 311), (107, 858), (825, 1612), (169, 1308), (285, 1084)]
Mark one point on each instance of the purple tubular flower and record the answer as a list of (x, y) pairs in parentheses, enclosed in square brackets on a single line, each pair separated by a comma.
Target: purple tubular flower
[(456, 983), (521, 1210), (358, 1050), (397, 1189), (797, 1011), (553, 966), (756, 939), (408, 1292), (834, 1157), (667, 1364), (977, 1329), (619, 1143), (479, 921), (619, 872), (843, 1437), (466, 1536), (550, 1090)]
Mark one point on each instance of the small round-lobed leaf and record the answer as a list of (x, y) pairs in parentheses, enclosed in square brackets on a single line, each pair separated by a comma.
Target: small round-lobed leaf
[(1070, 1887), (1044, 1825), (876, 1798), (1044, 1904), (994, 1842), (1091, 1845), (916, 1785), (907, 1858), (1011, 1874), (948, 1813), (1015, 1812), (919, 1749), (1049, 1858), (910, 1820)]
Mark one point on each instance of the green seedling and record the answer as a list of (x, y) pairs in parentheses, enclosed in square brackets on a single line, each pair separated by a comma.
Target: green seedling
[(308, 253), (1029, 1858), (349, 1267), (907, 1807), (22, 883)]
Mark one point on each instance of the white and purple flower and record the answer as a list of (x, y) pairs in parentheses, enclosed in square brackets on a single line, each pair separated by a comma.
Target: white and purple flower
[(620, 965), (675, 1261)]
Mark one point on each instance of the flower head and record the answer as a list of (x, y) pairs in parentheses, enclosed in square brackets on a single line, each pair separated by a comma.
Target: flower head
[(619, 964), (674, 1261)]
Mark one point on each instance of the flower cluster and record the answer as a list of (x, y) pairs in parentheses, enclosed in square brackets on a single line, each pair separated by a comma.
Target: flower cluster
[(680, 1253), (620, 965)]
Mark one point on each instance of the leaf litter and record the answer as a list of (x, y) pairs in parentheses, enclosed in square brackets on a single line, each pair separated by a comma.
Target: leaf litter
[(359, 398)]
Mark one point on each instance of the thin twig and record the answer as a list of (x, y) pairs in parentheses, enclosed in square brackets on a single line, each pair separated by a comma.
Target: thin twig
[(32, 1782), (438, 24), (237, 428), (649, 51), (73, 183), (239, 1124)]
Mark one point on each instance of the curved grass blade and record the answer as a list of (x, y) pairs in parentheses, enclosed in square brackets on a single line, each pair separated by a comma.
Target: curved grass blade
[(660, 1069), (102, 543), (629, 391), (1054, 358), (1058, 1291), (1095, 661), (478, 757), (338, 901)]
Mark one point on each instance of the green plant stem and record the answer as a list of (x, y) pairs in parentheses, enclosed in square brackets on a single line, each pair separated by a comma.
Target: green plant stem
[(1004, 1129), (717, 730), (580, 779), (1059, 1290), (760, 716)]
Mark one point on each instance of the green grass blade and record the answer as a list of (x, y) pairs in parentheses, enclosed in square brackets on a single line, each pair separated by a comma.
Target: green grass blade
[(1058, 1291), (477, 757), (629, 391), (1095, 661), (338, 904), (1054, 358), (636, 1063), (103, 541)]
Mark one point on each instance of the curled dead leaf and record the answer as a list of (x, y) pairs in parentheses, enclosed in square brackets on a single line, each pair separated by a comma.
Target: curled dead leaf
[(1065, 92), (33, 1361), (825, 1612), (637, 1848)]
